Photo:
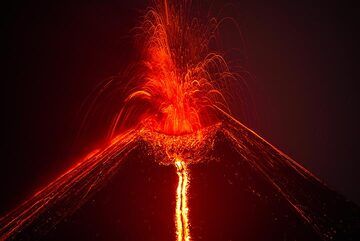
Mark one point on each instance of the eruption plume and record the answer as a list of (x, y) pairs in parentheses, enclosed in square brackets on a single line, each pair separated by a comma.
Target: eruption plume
[(182, 78)]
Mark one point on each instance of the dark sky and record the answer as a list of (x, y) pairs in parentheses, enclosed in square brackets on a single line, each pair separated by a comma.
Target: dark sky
[(303, 57)]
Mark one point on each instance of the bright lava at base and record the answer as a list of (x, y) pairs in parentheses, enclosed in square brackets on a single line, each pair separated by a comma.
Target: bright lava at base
[(182, 220)]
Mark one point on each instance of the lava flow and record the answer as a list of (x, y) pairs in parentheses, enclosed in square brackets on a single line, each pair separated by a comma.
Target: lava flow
[(177, 105), (182, 220)]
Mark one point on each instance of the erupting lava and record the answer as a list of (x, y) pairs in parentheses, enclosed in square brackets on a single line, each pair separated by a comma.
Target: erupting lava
[(178, 106), (182, 78), (180, 89)]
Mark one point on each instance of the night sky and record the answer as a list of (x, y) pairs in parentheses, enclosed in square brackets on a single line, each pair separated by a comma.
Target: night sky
[(303, 58)]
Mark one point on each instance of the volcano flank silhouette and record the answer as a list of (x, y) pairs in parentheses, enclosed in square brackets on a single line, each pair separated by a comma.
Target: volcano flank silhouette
[(242, 189)]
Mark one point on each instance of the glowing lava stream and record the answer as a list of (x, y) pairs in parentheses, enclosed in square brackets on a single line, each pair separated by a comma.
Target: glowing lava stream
[(182, 220)]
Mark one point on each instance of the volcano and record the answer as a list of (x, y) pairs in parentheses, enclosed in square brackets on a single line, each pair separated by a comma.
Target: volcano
[(177, 164), (242, 188)]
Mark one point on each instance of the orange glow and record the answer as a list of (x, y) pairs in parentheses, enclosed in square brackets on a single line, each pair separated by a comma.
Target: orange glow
[(181, 78), (182, 220)]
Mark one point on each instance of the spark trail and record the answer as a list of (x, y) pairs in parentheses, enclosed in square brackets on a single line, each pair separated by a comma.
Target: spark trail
[(65, 194)]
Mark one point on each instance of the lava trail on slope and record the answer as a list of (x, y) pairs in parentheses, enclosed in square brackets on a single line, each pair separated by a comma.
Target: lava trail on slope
[(329, 214), (268, 177), (65, 194)]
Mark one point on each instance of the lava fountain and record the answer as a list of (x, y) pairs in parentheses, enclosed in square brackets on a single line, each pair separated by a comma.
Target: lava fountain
[(180, 87), (182, 79)]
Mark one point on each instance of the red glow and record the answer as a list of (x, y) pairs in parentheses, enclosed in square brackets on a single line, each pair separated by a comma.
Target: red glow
[(182, 78)]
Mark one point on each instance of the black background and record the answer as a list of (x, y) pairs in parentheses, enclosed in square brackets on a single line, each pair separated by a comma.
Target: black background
[(303, 57)]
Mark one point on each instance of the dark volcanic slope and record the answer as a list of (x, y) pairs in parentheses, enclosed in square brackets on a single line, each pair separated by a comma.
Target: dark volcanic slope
[(280, 183), (245, 189)]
